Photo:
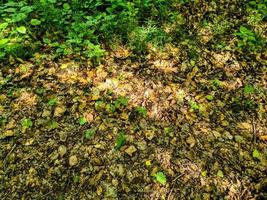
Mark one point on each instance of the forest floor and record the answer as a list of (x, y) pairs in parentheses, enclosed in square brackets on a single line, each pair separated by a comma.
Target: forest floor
[(160, 127)]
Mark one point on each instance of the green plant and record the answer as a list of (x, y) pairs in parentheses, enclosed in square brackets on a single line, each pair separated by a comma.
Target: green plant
[(248, 39), (210, 97), (53, 124), (121, 101), (194, 106), (52, 102), (141, 111), (26, 123), (249, 89), (89, 133), (216, 83), (161, 178), (120, 140), (82, 121)]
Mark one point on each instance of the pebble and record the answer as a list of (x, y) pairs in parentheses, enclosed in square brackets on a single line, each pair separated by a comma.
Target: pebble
[(73, 160), (130, 150), (62, 150)]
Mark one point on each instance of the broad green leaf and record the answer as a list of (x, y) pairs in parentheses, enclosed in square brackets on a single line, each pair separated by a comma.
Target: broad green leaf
[(22, 29), (120, 140), (66, 6), (27, 9), (35, 22), (161, 178), (3, 25), (4, 41)]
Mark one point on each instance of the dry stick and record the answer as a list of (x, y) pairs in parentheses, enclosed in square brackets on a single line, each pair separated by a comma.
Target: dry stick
[(169, 196), (4, 167), (253, 132)]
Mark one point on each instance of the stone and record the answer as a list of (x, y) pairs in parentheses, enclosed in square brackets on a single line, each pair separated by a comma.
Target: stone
[(191, 141), (73, 160), (62, 150), (130, 150)]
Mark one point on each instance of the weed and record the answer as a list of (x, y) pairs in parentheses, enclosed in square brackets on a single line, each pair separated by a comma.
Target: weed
[(161, 178), (89, 133), (52, 102), (120, 140), (210, 97), (82, 121), (194, 106), (26, 123), (141, 111), (249, 89), (248, 39), (121, 101)]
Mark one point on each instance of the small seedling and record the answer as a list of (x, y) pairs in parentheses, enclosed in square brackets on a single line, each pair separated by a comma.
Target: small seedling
[(249, 89), (52, 102), (120, 141), (121, 101), (194, 106), (82, 121), (209, 97), (53, 124), (216, 83), (26, 123), (161, 178), (88, 134), (141, 111)]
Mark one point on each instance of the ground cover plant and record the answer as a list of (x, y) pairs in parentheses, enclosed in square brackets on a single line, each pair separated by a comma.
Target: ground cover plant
[(116, 99)]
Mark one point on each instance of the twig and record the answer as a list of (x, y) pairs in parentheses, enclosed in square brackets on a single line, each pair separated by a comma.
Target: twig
[(4, 164), (169, 196), (253, 132)]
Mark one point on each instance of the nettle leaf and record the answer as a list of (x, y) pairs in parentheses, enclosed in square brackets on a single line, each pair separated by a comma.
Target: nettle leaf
[(161, 178), (22, 29), (66, 6), (35, 22), (27, 9), (4, 41), (3, 25)]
